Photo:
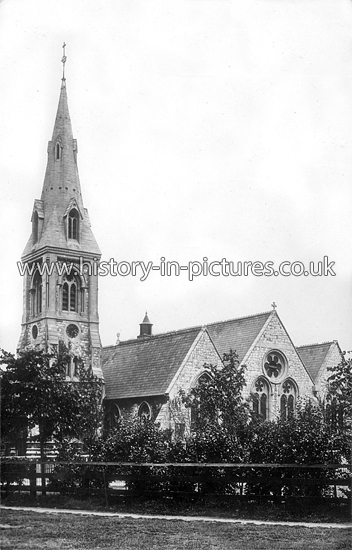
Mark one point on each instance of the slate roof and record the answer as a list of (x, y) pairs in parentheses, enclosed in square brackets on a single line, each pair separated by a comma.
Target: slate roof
[(237, 334), (313, 356), (147, 366)]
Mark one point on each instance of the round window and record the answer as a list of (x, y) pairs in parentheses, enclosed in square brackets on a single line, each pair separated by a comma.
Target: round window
[(72, 331), (34, 331), (274, 365)]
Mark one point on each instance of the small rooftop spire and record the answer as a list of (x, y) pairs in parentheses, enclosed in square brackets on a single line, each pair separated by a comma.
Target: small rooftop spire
[(145, 327), (63, 61), (146, 318)]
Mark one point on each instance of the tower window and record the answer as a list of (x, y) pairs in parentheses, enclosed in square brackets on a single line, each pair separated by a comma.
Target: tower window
[(70, 293), (37, 294), (73, 224), (65, 297), (72, 367), (34, 332), (58, 151), (73, 297), (75, 367)]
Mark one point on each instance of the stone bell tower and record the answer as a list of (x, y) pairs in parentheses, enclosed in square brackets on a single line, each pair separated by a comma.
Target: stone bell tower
[(60, 287)]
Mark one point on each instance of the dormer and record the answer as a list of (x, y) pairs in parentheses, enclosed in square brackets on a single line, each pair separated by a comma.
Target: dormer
[(73, 219), (37, 221)]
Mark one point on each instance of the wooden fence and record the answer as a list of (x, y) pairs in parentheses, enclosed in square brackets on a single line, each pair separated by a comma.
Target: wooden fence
[(278, 483)]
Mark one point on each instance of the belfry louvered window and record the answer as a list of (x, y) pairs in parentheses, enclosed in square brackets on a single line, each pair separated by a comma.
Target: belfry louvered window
[(37, 294), (70, 293)]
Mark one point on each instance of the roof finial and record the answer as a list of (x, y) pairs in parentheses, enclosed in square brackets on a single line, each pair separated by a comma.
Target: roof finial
[(274, 306), (63, 61)]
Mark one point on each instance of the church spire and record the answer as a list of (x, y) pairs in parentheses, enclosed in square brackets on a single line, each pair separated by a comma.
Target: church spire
[(60, 304), (61, 176), (61, 193)]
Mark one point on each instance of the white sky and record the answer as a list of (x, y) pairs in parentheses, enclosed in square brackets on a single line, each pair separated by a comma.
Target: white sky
[(205, 128)]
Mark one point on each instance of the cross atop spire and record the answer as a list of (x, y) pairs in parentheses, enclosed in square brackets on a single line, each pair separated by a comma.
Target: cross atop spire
[(274, 306), (63, 61)]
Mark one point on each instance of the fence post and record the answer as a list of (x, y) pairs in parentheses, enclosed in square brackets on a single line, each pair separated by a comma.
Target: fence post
[(42, 470), (32, 479)]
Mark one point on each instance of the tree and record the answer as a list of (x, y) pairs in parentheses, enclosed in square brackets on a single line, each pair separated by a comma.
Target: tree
[(219, 412), (338, 408), (36, 393), (304, 438)]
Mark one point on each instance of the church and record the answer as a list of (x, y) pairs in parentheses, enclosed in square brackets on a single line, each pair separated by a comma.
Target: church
[(144, 375)]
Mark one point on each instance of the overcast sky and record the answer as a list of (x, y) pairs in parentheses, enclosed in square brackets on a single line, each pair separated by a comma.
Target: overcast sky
[(205, 128)]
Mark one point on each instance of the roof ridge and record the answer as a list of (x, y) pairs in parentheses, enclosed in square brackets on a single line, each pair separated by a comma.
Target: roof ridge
[(194, 327), (317, 344), (152, 337), (239, 318), (187, 329)]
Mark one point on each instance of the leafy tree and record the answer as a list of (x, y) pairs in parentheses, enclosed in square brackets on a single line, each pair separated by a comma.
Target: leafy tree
[(220, 413), (304, 438), (338, 409), (36, 393)]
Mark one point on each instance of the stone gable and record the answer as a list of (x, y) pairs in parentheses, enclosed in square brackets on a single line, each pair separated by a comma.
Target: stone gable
[(274, 337)]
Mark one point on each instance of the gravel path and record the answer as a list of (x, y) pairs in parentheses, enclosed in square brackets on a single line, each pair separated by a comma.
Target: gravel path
[(177, 518)]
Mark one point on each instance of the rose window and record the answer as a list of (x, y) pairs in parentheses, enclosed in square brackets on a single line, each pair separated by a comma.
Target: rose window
[(274, 365)]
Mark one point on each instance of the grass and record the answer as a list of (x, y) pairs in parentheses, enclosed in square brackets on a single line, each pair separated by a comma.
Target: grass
[(30, 530)]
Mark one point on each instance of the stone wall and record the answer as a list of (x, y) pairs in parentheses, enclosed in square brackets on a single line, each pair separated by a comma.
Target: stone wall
[(201, 353)]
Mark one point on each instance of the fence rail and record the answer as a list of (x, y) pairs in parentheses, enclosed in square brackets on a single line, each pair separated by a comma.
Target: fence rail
[(193, 481)]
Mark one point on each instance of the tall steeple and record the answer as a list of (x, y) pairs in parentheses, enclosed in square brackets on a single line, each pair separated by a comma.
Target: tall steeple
[(61, 191), (60, 305)]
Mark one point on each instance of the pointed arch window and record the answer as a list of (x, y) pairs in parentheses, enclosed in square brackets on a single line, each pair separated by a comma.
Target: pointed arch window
[(204, 378), (261, 398), (57, 151), (73, 224), (70, 293), (288, 399), (73, 297), (112, 417), (144, 411), (37, 294), (72, 367)]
